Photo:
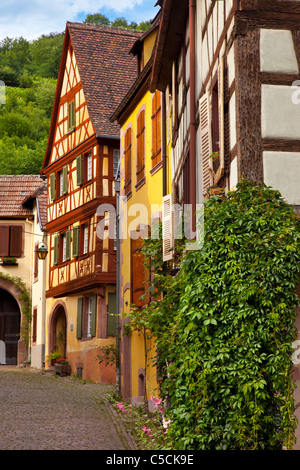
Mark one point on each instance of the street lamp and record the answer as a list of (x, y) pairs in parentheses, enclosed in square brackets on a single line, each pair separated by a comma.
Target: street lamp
[(42, 250)]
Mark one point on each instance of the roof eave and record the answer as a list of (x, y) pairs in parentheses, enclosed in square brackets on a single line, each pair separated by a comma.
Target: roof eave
[(170, 36)]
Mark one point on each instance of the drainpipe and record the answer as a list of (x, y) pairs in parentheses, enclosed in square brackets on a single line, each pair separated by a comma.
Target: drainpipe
[(118, 370), (192, 15), (164, 144)]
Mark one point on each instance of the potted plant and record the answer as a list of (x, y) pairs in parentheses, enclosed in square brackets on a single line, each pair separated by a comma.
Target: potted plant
[(62, 366)]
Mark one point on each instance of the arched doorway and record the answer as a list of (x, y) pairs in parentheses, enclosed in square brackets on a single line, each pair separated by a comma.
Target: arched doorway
[(10, 319), (58, 328)]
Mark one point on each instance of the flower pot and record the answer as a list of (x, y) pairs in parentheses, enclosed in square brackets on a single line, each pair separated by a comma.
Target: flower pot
[(62, 369)]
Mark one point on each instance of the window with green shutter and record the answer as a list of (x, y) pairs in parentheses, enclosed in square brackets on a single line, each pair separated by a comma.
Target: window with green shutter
[(71, 115), (111, 314), (79, 169), (75, 244), (68, 245), (53, 186), (65, 179), (56, 245)]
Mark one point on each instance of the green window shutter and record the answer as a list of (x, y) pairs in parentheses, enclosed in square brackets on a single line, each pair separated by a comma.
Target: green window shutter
[(71, 115), (56, 242), (53, 186), (65, 179), (79, 168), (79, 317), (94, 315), (75, 246), (68, 245), (111, 314)]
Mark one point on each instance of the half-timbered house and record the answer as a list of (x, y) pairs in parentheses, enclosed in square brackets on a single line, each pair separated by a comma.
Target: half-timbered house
[(232, 70), (83, 150)]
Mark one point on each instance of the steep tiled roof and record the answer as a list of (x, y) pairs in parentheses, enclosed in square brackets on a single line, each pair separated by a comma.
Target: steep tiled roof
[(106, 68), (14, 189)]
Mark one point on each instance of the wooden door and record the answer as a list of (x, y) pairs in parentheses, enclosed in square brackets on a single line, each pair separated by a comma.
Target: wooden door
[(9, 326)]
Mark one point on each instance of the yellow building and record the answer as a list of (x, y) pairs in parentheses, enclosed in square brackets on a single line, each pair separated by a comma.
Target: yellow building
[(144, 180)]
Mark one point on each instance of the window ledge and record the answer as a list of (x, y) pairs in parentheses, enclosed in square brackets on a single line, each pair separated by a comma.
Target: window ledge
[(156, 168), (140, 183)]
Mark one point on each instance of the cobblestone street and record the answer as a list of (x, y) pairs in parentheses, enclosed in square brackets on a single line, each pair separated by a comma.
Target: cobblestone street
[(40, 411)]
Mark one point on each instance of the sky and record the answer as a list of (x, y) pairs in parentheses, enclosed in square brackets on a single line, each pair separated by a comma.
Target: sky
[(31, 19)]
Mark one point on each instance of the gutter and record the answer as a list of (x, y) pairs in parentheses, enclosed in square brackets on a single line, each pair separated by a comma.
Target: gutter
[(118, 359), (192, 171)]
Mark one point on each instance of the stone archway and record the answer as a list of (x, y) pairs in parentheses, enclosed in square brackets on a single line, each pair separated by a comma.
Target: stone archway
[(58, 329)]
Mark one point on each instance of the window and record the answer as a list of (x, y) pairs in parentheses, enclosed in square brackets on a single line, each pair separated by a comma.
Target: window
[(86, 316), (62, 247), (156, 129), (71, 115), (116, 158), (89, 317), (127, 153), (59, 183), (89, 168), (11, 240), (84, 168), (85, 235), (140, 144)]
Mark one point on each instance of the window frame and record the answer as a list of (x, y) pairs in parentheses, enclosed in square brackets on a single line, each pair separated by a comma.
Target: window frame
[(128, 161), (140, 147), (14, 247)]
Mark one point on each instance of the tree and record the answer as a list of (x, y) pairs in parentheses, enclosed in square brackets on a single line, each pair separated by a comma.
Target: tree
[(97, 18)]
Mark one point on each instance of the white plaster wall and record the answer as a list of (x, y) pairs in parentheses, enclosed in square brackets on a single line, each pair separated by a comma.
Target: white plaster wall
[(280, 116), (232, 121), (277, 53), (281, 172)]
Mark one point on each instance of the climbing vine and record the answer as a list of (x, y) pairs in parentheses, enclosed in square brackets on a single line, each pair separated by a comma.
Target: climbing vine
[(224, 325), (25, 297)]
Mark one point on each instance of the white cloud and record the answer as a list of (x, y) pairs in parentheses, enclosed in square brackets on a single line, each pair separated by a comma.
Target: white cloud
[(37, 17)]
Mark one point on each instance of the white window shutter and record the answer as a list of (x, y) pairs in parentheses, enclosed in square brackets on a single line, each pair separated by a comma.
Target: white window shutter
[(206, 144), (221, 168), (167, 227)]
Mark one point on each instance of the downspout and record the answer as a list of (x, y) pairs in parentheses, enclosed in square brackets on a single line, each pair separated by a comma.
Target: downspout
[(192, 163), (118, 370), (164, 144)]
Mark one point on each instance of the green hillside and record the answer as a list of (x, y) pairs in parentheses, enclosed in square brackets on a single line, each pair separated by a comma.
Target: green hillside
[(29, 70)]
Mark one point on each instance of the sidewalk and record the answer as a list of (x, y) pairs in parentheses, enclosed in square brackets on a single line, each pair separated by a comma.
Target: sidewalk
[(40, 411)]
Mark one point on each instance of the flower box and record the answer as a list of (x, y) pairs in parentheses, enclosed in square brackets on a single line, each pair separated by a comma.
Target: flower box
[(9, 261), (62, 369)]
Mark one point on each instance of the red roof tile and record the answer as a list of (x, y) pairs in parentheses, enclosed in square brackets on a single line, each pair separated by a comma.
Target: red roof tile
[(106, 68), (14, 189)]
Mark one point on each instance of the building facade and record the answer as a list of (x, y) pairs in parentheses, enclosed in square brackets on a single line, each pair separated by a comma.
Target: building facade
[(82, 153), (145, 178), (20, 233)]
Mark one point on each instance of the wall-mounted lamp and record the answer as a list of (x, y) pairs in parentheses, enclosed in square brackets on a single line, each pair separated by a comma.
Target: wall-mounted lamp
[(42, 250)]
